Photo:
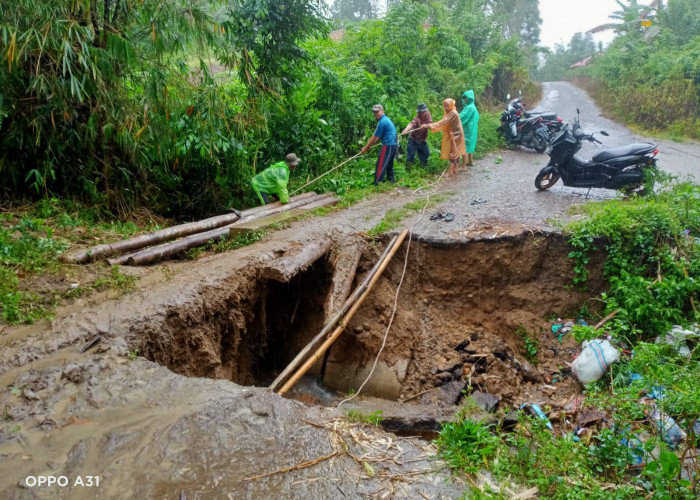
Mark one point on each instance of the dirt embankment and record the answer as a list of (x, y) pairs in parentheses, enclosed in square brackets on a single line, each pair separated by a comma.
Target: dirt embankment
[(77, 402)]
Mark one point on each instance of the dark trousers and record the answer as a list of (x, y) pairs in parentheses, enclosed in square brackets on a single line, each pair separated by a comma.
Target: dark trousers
[(385, 164), (421, 148), (267, 198)]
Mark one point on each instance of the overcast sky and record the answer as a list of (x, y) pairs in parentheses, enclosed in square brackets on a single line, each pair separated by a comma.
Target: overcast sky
[(562, 18)]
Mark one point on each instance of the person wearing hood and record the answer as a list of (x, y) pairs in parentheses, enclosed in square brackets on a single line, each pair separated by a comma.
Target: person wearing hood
[(452, 145), (470, 124), (273, 180)]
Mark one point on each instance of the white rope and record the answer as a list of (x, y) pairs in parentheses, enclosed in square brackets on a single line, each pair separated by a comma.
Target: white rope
[(398, 288)]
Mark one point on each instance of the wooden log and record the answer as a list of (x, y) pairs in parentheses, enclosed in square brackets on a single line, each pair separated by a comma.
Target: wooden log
[(285, 268), (345, 258), (159, 252), (144, 240), (260, 222), (343, 323), (332, 323)]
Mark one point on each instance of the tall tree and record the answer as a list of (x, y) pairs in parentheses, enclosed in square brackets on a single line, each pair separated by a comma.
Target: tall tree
[(519, 18), (268, 34), (354, 10)]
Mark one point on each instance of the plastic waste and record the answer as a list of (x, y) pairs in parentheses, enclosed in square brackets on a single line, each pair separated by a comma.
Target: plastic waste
[(537, 411), (636, 450), (677, 337), (670, 432), (566, 327), (594, 360)]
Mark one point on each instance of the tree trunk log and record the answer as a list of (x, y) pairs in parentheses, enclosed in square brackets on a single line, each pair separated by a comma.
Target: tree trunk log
[(333, 322), (289, 266), (169, 233), (344, 321), (153, 254)]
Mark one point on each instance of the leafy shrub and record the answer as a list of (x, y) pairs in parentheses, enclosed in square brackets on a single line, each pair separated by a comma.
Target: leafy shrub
[(652, 257), (467, 445)]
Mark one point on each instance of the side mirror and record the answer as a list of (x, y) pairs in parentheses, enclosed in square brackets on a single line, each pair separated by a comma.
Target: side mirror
[(603, 132), (508, 97), (520, 92)]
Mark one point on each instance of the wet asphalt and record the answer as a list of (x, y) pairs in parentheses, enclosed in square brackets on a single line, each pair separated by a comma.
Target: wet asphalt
[(499, 191)]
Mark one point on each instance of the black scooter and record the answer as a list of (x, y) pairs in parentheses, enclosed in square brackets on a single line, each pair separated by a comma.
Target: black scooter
[(620, 168), (528, 132), (550, 120)]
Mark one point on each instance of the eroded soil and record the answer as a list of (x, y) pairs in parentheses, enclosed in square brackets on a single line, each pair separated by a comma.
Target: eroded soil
[(158, 391)]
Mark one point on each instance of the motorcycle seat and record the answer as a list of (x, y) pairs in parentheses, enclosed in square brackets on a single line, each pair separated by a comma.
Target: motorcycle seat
[(543, 115), (636, 149)]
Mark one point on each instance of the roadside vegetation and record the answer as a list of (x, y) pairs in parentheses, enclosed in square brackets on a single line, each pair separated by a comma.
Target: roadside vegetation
[(648, 77), (175, 106), (652, 246), (118, 118)]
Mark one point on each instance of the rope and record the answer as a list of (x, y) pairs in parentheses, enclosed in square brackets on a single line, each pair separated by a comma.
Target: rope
[(398, 288), (340, 165), (322, 175)]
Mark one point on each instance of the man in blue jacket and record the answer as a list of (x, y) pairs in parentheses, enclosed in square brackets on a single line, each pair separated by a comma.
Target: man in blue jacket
[(386, 132)]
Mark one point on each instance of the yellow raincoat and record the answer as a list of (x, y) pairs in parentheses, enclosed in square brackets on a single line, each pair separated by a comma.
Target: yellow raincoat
[(452, 147)]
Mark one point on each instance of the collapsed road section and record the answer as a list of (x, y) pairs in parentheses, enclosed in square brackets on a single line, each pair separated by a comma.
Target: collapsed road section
[(164, 391)]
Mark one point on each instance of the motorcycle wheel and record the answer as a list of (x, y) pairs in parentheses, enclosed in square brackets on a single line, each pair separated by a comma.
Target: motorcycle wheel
[(546, 181), (540, 143), (639, 189)]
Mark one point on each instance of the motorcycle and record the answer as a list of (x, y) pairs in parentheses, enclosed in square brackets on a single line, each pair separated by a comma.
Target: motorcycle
[(528, 132), (620, 168), (550, 119)]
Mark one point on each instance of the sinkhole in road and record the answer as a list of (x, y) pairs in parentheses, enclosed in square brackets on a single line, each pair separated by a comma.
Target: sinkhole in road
[(470, 317)]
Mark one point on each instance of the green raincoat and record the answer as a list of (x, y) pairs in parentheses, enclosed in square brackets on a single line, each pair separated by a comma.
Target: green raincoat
[(470, 121), (272, 180)]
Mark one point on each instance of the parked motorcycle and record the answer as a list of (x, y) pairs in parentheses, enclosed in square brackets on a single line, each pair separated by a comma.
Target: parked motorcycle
[(516, 129), (550, 119), (620, 168)]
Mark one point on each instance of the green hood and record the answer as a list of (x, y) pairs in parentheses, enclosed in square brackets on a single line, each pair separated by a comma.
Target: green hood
[(468, 97)]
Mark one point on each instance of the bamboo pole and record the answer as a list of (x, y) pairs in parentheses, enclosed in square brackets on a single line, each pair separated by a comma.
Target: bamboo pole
[(343, 322), (169, 233), (333, 321), (153, 254)]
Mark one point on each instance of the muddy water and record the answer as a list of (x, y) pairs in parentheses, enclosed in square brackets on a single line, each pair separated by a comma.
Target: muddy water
[(149, 432), (174, 421)]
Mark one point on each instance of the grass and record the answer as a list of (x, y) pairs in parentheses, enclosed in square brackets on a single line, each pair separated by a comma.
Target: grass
[(374, 418), (31, 241), (643, 238), (395, 215)]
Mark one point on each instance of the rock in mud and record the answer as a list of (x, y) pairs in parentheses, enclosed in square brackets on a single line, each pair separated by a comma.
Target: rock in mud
[(530, 373), (452, 392), (29, 394), (442, 378), (485, 401)]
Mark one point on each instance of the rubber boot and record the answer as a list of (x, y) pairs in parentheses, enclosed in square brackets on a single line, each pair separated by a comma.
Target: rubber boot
[(409, 164)]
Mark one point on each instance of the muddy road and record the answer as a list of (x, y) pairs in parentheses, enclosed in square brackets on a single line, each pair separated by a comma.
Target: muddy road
[(161, 393)]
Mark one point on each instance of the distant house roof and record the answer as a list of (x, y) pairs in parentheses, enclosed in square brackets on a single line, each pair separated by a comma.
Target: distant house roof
[(582, 62), (337, 34)]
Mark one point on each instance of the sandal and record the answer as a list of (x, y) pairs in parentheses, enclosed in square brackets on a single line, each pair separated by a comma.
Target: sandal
[(437, 215), (449, 217)]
